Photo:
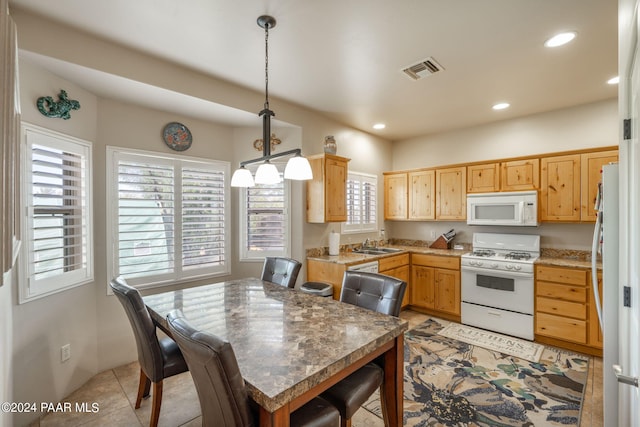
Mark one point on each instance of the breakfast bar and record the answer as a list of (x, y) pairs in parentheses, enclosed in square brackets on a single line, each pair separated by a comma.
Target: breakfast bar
[(291, 346)]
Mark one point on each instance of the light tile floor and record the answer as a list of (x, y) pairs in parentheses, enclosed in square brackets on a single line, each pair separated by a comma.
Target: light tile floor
[(115, 390)]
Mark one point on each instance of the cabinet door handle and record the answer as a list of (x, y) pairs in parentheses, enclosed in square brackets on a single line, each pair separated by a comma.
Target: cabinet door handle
[(617, 369)]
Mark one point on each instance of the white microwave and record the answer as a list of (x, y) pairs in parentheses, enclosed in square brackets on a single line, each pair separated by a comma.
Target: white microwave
[(517, 208)]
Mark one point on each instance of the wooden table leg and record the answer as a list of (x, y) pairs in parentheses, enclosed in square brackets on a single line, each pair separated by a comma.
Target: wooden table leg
[(279, 418), (392, 397)]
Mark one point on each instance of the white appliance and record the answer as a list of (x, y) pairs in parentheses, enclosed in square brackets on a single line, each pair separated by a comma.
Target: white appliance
[(497, 283), (605, 247), (516, 208), (370, 267)]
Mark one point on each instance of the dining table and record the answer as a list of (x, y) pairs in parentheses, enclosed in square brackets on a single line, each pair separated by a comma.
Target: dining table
[(291, 346)]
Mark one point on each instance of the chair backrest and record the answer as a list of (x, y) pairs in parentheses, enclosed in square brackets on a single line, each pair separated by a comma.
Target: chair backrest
[(280, 270), (144, 330), (212, 362), (373, 291)]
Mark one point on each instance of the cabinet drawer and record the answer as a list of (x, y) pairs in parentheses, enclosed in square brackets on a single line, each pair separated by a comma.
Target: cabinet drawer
[(561, 308), (565, 292), (571, 276), (392, 262), (561, 327), (452, 263)]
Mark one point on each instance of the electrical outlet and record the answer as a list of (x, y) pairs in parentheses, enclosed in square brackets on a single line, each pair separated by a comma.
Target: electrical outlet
[(433, 234), (65, 352)]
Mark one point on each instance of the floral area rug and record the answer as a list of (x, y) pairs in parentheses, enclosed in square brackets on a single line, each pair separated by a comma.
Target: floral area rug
[(453, 383)]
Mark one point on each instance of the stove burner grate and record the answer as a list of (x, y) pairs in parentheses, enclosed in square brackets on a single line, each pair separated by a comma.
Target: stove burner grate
[(483, 252), (518, 255)]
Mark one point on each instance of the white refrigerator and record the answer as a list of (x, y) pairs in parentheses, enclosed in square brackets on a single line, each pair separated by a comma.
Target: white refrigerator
[(606, 248)]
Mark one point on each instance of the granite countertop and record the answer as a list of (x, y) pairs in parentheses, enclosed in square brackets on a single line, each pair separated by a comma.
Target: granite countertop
[(554, 257), (286, 341)]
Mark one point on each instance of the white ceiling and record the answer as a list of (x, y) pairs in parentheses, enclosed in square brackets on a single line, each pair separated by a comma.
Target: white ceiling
[(343, 58)]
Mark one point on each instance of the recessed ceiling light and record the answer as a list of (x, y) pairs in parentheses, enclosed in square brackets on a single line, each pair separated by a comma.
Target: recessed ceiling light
[(379, 126), (501, 106), (614, 80), (560, 39)]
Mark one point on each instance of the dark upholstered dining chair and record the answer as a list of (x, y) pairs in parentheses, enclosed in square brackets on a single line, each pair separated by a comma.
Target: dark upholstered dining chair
[(280, 270), (224, 400), (375, 292), (158, 358)]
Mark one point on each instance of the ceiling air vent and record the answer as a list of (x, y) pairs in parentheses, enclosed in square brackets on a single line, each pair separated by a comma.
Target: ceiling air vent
[(423, 68)]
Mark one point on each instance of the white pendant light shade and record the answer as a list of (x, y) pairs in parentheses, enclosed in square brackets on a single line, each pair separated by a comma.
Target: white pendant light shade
[(242, 178), (267, 174), (298, 168)]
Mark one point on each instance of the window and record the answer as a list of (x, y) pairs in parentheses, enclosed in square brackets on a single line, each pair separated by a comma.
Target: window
[(265, 225), (57, 232), (168, 217), (361, 203)]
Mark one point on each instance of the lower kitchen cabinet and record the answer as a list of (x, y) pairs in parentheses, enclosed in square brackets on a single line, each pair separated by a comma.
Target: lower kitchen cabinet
[(326, 272), (397, 266), (563, 314), (435, 285)]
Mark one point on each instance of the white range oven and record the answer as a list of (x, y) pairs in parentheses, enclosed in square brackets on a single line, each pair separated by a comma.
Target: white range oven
[(497, 283)]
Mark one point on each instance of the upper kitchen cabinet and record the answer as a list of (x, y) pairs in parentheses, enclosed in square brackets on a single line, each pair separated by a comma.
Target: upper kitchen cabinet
[(422, 203), (483, 178), (515, 175), (395, 195), (520, 175), (451, 193), (409, 195), (327, 191), (591, 170), (560, 189)]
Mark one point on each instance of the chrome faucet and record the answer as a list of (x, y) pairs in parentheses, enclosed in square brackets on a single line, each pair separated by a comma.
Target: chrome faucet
[(365, 244)]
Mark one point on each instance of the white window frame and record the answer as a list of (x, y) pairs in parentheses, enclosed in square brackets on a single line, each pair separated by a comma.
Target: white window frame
[(360, 227), (245, 253), (114, 155), (29, 288)]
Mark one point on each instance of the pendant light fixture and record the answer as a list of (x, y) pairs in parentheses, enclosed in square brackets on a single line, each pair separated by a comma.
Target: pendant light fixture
[(298, 167)]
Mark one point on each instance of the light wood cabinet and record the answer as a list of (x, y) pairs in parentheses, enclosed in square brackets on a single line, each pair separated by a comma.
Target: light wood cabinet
[(409, 195), (326, 272), (327, 191), (451, 193), (560, 189), (564, 313), (395, 195), (422, 201), (435, 284), (520, 175), (515, 175), (595, 333), (483, 178), (591, 173), (397, 266)]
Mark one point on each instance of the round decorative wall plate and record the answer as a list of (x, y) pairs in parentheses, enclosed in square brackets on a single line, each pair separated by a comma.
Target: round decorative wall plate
[(177, 136)]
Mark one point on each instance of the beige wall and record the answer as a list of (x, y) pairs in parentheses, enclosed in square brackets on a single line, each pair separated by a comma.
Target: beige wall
[(585, 126)]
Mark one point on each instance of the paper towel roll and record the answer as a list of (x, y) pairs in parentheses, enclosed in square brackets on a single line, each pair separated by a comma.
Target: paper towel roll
[(334, 243)]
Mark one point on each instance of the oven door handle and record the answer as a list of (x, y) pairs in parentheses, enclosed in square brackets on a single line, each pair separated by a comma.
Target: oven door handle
[(496, 273)]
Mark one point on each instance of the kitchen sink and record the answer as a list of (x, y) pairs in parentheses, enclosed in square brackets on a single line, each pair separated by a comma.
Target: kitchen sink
[(377, 251)]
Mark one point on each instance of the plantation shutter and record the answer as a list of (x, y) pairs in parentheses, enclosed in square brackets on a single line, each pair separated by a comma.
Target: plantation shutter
[(58, 206), (267, 219), (58, 214), (361, 203), (203, 222)]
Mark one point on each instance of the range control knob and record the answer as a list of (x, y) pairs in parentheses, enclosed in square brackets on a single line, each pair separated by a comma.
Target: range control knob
[(509, 267), (517, 267), (494, 265)]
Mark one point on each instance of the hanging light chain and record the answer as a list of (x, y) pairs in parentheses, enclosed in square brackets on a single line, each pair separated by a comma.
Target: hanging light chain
[(266, 66)]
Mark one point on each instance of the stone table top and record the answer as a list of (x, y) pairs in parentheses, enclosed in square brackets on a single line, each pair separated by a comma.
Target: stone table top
[(286, 341)]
